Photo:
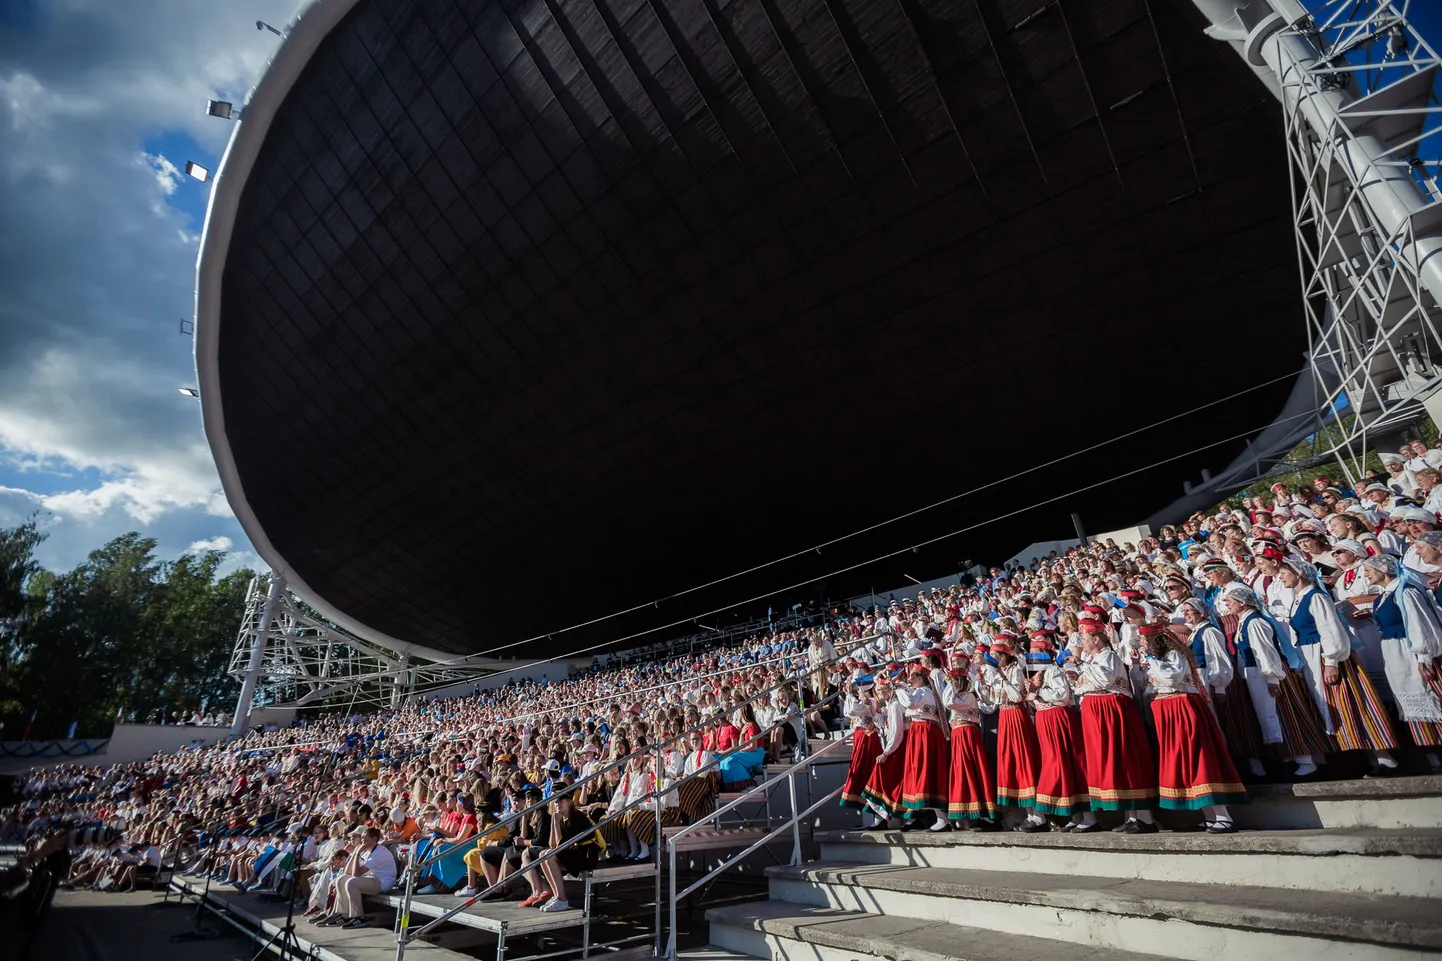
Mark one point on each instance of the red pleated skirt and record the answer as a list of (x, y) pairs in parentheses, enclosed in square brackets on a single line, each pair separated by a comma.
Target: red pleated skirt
[(865, 746), (1061, 786), (1121, 775), (1017, 758), (924, 781), (972, 792), (1194, 769), (883, 787)]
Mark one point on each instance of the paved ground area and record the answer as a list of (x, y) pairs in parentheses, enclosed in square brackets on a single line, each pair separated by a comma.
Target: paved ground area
[(85, 926)]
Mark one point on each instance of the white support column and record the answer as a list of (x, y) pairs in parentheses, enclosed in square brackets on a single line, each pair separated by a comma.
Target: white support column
[(257, 653)]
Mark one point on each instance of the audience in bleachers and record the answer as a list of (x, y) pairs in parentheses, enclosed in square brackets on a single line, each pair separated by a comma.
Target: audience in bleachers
[(1276, 640)]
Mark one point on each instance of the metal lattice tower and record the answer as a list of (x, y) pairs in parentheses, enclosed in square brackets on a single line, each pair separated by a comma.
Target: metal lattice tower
[(1358, 90), (298, 658)]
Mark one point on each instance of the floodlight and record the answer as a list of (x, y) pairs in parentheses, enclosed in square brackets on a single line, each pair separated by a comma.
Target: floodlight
[(189, 391), (223, 109), (195, 170)]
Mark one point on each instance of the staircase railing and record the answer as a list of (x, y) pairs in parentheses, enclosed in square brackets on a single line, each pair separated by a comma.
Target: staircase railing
[(793, 823)]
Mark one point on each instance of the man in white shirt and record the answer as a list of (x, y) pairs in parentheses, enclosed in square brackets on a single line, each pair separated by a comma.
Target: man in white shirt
[(370, 870)]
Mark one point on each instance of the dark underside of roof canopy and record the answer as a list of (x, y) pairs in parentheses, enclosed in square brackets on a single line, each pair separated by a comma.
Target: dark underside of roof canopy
[(537, 309)]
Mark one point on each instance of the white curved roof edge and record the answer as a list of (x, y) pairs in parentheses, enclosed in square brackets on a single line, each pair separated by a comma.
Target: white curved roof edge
[(306, 33)]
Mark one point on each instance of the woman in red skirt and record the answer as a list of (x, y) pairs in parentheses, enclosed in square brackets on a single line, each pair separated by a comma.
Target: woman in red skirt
[(971, 793), (1121, 775), (883, 788), (924, 777), (865, 746), (1017, 756), (1061, 784), (1195, 771)]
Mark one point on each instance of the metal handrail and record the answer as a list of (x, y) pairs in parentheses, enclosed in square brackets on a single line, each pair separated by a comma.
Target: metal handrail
[(403, 937), (794, 823)]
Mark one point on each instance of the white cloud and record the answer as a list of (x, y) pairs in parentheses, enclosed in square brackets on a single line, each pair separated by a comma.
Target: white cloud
[(97, 267), (167, 175), (218, 543)]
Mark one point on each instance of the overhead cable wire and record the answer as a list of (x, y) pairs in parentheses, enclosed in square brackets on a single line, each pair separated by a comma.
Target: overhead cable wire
[(817, 548), (882, 557)]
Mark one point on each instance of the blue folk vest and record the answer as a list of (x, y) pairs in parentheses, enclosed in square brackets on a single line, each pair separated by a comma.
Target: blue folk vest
[(1246, 657), (1304, 625), (1387, 614)]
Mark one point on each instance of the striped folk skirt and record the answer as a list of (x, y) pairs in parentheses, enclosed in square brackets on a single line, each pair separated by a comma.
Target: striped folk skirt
[(1358, 717), (865, 746), (924, 775), (1121, 775), (1237, 717), (971, 792), (614, 832), (1193, 768), (883, 788), (1018, 758), (1061, 784), (1302, 729), (698, 797), (642, 822)]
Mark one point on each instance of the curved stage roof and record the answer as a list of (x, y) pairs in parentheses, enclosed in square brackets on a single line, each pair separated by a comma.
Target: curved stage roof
[(515, 313)]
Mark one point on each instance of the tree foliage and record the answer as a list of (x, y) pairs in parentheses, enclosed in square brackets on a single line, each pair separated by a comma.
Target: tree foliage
[(124, 632)]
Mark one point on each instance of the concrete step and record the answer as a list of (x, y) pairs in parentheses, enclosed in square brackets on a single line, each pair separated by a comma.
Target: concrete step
[(1388, 863), (775, 929), (1198, 922), (1385, 803)]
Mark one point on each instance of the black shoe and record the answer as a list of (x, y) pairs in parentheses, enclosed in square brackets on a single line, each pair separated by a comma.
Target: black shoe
[(1221, 827), (1031, 827), (1381, 771), (352, 923), (1136, 827), (1081, 828)]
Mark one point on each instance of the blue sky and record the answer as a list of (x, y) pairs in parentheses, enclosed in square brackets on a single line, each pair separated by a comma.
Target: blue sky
[(101, 104)]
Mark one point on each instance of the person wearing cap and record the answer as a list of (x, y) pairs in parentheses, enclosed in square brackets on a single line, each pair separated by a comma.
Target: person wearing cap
[(1061, 783), (971, 787), (924, 771), (1194, 771), (1354, 593), (1410, 627), (1121, 775), (865, 746), (1283, 711), (883, 788), (1017, 755)]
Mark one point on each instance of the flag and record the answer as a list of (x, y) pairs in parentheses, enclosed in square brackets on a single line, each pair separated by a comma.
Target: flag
[(70, 734), (29, 726)]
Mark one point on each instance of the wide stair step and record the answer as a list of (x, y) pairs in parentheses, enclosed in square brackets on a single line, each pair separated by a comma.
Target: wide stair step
[(1406, 863), (1172, 919), (775, 929)]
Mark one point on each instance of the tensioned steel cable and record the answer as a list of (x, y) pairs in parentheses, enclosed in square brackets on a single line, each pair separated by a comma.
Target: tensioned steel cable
[(860, 564), (816, 549)]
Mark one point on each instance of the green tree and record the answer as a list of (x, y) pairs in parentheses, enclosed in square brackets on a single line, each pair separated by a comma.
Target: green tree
[(123, 631)]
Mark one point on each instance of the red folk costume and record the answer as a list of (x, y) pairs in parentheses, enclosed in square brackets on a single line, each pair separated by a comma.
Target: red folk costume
[(1121, 775), (971, 791), (1061, 784), (865, 747), (924, 776), (1018, 758), (883, 788)]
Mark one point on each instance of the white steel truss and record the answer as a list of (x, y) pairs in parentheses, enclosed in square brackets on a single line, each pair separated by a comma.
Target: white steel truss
[(305, 660), (1357, 84)]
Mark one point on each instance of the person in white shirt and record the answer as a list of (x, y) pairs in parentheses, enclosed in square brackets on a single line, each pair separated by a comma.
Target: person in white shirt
[(1195, 772), (1401, 480), (371, 869), (1120, 772), (1410, 625)]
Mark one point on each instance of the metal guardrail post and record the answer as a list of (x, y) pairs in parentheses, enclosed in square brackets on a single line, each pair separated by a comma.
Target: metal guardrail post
[(660, 836), (403, 919), (795, 819)]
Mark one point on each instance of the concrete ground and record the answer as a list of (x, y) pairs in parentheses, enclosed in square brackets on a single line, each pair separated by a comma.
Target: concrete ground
[(96, 926)]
